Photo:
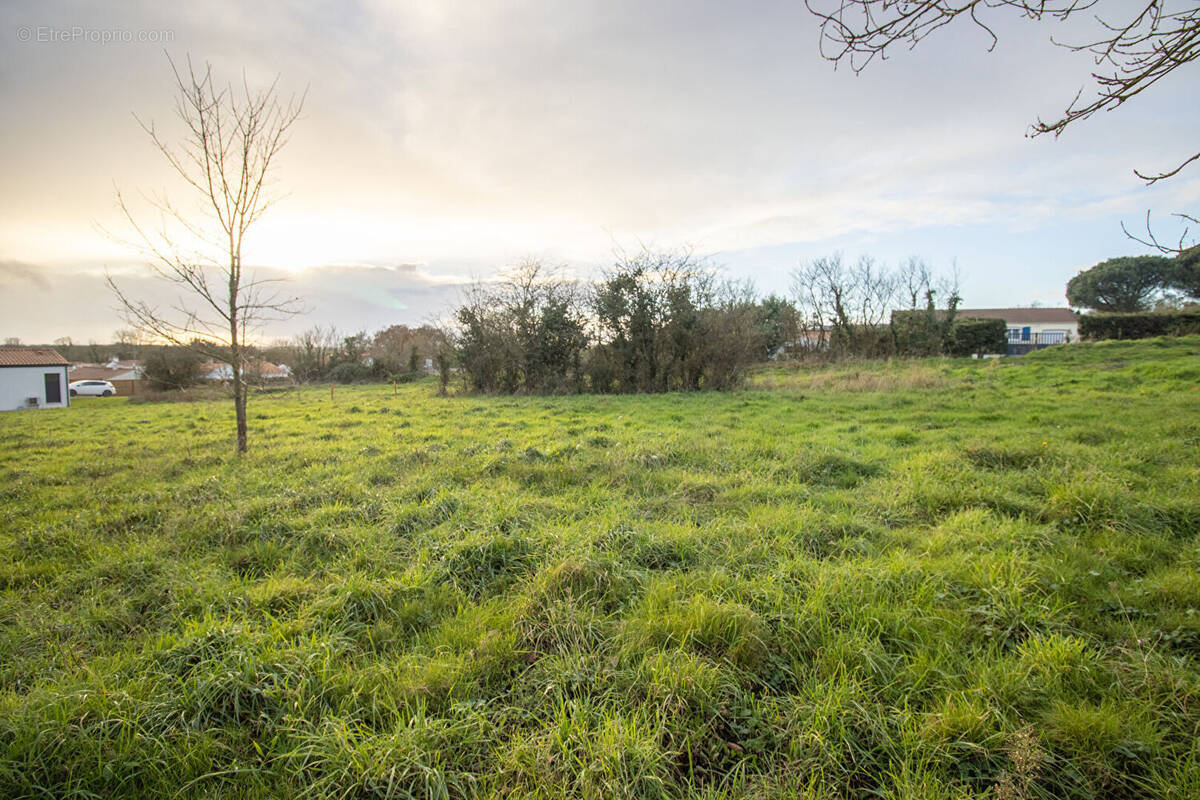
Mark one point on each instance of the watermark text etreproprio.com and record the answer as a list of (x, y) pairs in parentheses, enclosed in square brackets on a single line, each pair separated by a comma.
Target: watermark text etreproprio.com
[(81, 34)]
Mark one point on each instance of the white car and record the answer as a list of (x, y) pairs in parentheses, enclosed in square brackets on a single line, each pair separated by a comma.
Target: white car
[(93, 388)]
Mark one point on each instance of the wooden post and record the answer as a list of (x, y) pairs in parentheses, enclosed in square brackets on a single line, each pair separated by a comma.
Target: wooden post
[(331, 392), (395, 391)]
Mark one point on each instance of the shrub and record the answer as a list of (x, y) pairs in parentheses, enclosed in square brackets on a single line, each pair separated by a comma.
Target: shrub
[(664, 323), (970, 335), (523, 334), (349, 372), (654, 323), (168, 368), (920, 332), (1139, 326)]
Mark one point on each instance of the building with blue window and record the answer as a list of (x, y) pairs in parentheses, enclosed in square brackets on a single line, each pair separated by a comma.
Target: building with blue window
[(1031, 328)]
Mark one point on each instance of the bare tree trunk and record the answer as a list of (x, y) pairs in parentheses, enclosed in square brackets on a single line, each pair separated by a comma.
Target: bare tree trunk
[(239, 405), (238, 368), (236, 364)]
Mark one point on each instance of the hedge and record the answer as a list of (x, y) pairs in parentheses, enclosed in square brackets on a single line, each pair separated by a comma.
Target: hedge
[(1138, 326), (971, 335)]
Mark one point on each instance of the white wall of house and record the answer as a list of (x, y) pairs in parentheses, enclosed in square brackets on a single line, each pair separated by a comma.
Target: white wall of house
[(1016, 327), (17, 384)]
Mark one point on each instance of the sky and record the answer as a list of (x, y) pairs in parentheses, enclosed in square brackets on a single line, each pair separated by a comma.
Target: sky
[(442, 142)]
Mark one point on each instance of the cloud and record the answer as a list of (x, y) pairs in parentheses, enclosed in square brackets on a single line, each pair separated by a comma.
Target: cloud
[(17, 274), (460, 136), (366, 296), (350, 297)]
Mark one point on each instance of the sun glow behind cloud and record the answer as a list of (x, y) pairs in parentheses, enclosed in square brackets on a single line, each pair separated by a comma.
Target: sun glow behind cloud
[(296, 241), (464, 139)]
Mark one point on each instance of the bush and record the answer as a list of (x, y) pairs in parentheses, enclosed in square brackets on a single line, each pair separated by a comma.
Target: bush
[(1139, 326), (664, 323), (921, 332), (971, 335), (524, 334), (168, 368), (862, 341), (654, 323), (349, 372)]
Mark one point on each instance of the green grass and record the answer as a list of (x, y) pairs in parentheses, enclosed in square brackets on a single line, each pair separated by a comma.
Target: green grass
[(924, 579)]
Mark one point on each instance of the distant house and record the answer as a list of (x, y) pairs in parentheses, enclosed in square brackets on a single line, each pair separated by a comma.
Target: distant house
[(32, 377), (274, 372), (256, 372), (1031, 328), (806, 341), (126, 376)]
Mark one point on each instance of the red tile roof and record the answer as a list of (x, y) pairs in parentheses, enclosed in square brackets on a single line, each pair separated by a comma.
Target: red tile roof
[(13, 356), (1021, 314), (91, 372)]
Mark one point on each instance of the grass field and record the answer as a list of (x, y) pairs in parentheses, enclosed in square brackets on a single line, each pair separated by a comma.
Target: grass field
[(927, 579)]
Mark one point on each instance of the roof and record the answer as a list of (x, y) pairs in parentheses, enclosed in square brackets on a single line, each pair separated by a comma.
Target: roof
[(11, 356), (92, 372), (215, 369), (1021, 314), (263, 369), (89, 372)]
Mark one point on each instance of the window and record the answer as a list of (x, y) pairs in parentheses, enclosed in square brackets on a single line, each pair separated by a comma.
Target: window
[(1052, 337), (1014, 335)]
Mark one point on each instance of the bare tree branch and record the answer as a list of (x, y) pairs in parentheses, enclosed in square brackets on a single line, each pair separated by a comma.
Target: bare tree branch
[(1151, 239), (1138, 46)]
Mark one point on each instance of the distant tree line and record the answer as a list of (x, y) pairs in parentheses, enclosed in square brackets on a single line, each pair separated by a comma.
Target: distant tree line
[(1131, 284), (396, 353), (126, 344), (1139, 325), (1135, 297), (656, 322), (870, 310)]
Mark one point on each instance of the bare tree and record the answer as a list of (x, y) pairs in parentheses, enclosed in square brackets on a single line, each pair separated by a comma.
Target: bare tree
[(231, 140), (311, 352), (846, 304), (1136, 46), (849, 309)]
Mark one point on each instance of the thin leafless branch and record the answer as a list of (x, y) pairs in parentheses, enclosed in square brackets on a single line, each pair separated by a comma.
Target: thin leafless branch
[(1149, 42), (1151, 240)]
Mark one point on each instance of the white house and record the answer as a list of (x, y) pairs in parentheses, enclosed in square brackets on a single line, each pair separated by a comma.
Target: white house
[(1031, 328), (32, 377), (256, 371), (1026, 328)]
